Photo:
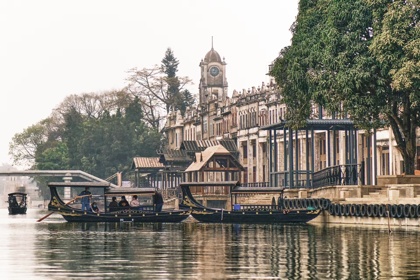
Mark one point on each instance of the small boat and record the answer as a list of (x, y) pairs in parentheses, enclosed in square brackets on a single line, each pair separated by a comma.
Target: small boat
[(102, 194), (17, 203), (261, 214)]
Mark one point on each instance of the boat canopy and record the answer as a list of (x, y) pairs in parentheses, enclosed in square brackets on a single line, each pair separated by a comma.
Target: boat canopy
[(130, 191), (102, 185), (108, 190), (260, 190), (236, 187), (211, 184), (17, 194)]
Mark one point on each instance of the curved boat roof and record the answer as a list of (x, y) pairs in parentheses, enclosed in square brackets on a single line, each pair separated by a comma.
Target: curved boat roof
[(17, 193), (129, 191), (80, 184)]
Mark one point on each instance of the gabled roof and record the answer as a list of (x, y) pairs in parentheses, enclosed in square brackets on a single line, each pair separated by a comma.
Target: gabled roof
[(201, 159), (146, 162), (186, 154), (175, 155)]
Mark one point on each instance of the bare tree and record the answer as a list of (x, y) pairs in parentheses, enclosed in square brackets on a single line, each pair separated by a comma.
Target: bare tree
[(151, 86), (93, 105)]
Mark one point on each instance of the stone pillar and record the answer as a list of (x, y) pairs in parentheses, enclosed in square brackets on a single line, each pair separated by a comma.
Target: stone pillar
[(393, 193), (67, 190), (303, 194), (344, 193)]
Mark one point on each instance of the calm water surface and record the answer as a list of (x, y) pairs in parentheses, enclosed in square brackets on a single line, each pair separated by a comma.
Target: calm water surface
[(54, 249)]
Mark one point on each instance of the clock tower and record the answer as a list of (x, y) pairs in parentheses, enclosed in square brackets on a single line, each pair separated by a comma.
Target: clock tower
[(213, 83)]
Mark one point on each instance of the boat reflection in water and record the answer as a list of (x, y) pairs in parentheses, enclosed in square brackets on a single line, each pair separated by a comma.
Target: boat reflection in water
[(222, 251)]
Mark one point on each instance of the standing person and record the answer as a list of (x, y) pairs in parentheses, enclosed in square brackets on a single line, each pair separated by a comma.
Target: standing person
[(158, 201), (86, 194), (123, 202), (113, 205)]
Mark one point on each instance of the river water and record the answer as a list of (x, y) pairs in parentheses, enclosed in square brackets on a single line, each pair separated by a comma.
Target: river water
[(55, 249)]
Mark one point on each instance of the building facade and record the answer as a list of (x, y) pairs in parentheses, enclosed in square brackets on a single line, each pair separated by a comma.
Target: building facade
[(249, 117)]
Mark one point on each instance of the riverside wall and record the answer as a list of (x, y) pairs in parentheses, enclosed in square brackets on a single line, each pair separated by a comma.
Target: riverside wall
[(394, 202), (387, 222), (391, 204)]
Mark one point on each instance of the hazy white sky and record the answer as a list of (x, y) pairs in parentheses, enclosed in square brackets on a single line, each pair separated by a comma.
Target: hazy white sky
[(51, 49)]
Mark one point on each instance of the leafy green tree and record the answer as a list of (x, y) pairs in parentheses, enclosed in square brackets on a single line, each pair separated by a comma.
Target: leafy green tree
[(26, 145), (54, 158), (396, 48), (98, 136), (177, 99), (107, 144), (344, 57), (170, 67), (72, 133)]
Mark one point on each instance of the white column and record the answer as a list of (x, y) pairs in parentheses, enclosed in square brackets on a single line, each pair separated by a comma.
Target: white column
[(391, 152), (374, 159)]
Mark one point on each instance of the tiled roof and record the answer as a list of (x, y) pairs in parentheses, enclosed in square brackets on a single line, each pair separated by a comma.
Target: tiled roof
[(146, 162), (317, 124), (175, 155), (201, 145), (203, 157)]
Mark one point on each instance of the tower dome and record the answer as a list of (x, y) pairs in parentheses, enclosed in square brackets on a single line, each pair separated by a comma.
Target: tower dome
[(212, 56)]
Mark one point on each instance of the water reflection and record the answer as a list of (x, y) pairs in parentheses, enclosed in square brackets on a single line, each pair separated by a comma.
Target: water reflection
[(60, 250)]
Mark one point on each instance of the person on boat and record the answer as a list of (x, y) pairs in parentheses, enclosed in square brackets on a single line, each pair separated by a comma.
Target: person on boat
[(85, 195), (123, 202), (158, 201), (13, 201), (135, 203), (94, 207), (22, 203), (113, 205)]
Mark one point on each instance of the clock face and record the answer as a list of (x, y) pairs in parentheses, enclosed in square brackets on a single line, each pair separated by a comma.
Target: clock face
[(214, 71)]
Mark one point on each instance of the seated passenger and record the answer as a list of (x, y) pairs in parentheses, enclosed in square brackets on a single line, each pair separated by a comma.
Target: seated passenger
[(134, 203), (13, 202), (113, 205), (123, 203), (94, 207)]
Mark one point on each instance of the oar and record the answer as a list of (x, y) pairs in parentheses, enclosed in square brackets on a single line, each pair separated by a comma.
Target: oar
[(49, 214)]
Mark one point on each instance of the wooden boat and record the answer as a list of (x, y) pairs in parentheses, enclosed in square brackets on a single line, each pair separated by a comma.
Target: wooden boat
[(243, 213), (102, 194), (17, 203)]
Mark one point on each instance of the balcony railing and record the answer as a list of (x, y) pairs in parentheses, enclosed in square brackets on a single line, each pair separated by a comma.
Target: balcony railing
[(292, 179), (346, 174), (256, 185)]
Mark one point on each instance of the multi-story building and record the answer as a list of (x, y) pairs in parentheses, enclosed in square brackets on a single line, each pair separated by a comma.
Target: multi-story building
[(267, 149)]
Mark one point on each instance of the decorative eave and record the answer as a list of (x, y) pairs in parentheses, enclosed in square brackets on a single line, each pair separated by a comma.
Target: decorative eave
[(319, 124)]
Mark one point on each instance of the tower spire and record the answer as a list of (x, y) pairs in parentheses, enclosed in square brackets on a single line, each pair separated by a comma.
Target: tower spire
[(211, 42)]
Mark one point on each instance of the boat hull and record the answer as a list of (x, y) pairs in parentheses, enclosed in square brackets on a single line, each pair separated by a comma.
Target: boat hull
[(131, 216), (17, 210), (255, 217)]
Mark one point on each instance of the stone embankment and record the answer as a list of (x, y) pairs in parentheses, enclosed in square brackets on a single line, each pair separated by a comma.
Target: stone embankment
[(358, 213), (388, 203)]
